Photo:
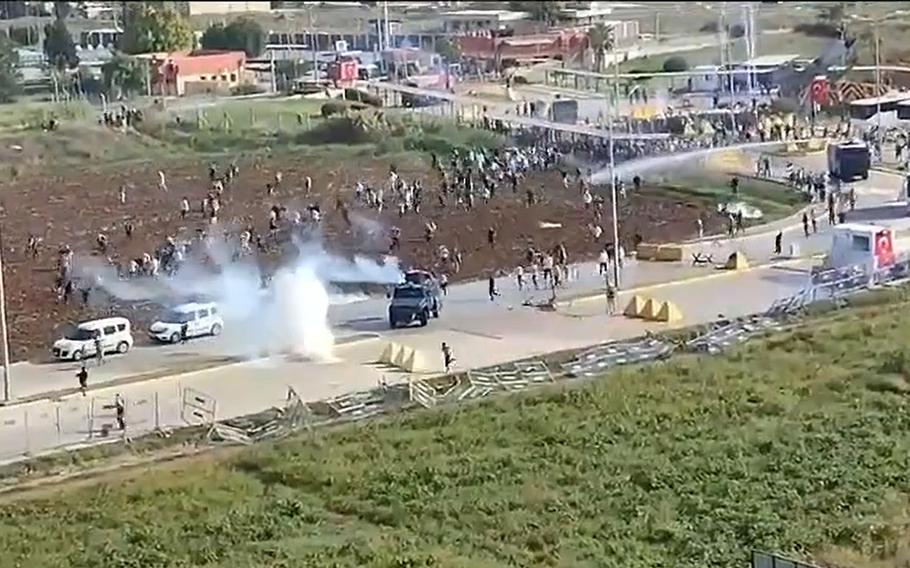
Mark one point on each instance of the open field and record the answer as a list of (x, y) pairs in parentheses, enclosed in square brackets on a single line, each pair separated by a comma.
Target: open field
[(796, 443), (81, 167)]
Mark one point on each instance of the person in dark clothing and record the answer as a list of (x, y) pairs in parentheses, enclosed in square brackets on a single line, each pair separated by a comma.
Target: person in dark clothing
[(184, 332), (778, 243), (491, 288), (82, 375), (120, 407)]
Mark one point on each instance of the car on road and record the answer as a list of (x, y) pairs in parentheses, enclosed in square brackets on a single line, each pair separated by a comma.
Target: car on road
[(78, 341), (200, 319), (413, 303)]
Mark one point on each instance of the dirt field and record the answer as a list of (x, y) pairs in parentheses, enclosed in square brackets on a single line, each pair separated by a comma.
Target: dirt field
[(72, 209)]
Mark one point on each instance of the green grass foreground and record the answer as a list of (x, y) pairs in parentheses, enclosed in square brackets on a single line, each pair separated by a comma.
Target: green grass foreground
[(797, 443)]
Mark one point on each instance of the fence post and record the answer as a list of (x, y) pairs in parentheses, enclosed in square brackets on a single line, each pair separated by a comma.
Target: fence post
[(57, 423), (28, 442), (91, 419), (157, 413)]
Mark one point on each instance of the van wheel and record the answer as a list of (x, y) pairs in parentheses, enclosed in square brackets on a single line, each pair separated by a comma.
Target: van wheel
[(175, 337), (79, 355), (123, 347), (216, 329)]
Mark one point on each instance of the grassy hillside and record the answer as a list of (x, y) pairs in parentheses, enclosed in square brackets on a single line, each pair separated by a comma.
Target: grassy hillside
[(797, 443)]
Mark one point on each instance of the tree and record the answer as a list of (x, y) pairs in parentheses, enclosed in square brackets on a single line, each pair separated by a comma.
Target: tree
[(151, 28), (9, 71), (124, 76), (675, 64), (600, 40), (59, 47), (243, 34), (62, 10), (449, 50), (546, 11)]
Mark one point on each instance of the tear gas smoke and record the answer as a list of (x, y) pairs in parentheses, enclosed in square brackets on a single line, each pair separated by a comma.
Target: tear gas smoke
[(290, 316)]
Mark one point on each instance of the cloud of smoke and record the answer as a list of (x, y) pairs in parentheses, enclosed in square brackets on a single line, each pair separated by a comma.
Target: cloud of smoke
[(289, 316)]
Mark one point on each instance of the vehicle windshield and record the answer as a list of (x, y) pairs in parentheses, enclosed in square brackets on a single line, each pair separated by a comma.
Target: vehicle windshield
[(173, 316), (78, 334), (408, 292)]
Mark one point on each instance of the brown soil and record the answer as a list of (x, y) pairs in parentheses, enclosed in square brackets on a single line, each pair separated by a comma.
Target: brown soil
[(73, 207)]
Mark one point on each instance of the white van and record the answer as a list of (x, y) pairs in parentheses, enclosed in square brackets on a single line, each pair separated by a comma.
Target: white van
[(78, 341), (200, 319)]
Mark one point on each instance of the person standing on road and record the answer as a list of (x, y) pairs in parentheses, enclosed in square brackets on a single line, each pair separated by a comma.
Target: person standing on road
[(184, 332), (120, 407), (448, 358), (82, 376), (99, 349), (806, 224), (520, 277), (611, 299), (444, 284), (779, 243), (491, 287), (701, 228)]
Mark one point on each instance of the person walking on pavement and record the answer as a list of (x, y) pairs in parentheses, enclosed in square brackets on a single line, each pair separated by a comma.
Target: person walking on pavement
[(99, 349), (82, 376), (120, 407), (813, 220), (444, 284), (806, 224), (184, 332), (448, 358), (779, 243)]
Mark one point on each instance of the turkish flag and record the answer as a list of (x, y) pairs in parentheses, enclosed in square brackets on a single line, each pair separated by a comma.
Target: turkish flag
[(884, 249), (820, 90)]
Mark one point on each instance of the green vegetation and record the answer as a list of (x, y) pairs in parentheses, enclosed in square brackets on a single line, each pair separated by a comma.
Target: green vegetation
[(149, 27), (775, 200), (243, 34), (796, 443), (9, 72), (59, 47)]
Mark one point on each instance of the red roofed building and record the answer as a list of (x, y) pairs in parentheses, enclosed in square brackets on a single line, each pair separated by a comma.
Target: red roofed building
[(178, 74)]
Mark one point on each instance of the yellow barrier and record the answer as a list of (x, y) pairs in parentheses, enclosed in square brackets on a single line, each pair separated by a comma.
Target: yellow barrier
[(646, 252), (652, 310), (635, 307), (737, 261)]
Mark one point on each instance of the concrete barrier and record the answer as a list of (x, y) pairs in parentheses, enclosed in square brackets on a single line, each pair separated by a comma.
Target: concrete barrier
[(646, 251), (635, 307), (668, 313), (737, 261), (669, 253)]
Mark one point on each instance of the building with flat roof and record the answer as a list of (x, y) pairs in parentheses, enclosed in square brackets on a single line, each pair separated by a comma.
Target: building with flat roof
[(467, 21), (203, 8)]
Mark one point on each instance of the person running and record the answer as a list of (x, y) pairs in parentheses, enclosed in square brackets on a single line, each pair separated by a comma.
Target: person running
[(444, 284), (82, 376), (448, 357)]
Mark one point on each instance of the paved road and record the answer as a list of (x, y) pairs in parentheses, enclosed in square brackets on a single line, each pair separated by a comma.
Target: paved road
[(482, 333)]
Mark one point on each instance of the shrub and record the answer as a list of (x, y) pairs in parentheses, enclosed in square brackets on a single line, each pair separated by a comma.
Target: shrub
[(246, 89), (818, 29), (333, 108), (675, 64), (360, 96)]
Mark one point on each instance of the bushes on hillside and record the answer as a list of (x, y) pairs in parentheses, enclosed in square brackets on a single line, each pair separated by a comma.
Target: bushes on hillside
[(362, 97), (818, 29), (675, 64)]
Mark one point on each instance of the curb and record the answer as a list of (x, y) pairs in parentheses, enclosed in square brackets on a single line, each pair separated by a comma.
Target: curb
[(567, 303), (56, 395)]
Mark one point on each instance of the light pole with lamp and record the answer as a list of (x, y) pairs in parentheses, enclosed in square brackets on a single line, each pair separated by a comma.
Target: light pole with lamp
[(612, 149)]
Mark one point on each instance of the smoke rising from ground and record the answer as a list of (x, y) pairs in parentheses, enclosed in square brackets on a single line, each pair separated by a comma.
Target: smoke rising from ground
[(289, 316)]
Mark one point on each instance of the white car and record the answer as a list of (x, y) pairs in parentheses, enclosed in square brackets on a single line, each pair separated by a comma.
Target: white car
[(78, 341), (199, 318)]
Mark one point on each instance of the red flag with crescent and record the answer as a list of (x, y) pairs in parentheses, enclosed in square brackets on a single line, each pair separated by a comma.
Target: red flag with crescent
[(884, 249)]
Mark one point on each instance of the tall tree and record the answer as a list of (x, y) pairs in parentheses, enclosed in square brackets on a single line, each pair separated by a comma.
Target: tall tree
[(542, 11), (124, 76), (600, 40), (150, 27), (10, 78), (62, 10), (449, 49), (59, 47), (242, 34)]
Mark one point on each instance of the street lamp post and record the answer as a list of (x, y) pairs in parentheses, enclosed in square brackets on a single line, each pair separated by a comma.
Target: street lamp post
[(4, 335), (612, 149)]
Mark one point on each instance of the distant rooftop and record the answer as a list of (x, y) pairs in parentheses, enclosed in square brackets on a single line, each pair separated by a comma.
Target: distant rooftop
[(506, 15)]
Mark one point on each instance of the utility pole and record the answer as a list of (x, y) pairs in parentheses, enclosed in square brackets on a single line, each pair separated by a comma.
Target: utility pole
[(7, 379), (613, 196)]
